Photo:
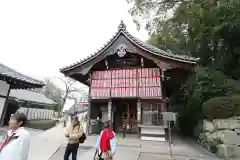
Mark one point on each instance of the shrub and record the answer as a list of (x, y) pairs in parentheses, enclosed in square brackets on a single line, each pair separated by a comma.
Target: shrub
[(221, 107), (201, 86)]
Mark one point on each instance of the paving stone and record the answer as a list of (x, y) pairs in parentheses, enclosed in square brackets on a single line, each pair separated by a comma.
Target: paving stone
[(60, 152), (144, 156)]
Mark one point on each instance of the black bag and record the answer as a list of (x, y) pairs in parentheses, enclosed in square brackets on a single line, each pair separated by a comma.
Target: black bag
[(99, 156), (82, 138)]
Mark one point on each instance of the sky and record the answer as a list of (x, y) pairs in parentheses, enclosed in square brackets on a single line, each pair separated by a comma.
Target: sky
[(39, 37)]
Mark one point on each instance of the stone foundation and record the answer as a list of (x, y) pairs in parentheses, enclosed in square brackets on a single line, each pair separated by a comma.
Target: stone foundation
[(220, 136)]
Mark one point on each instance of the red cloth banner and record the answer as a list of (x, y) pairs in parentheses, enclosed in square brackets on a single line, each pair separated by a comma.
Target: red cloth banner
[(127, 81), (112, 92), (113, 74), (139, 72), (124, 83), (127, 73), (123, 91), (134, 91), (117, 74), (119, 92), (130, 73), (120, 73), (158, 80), (127, 92), (98, 93), (150, 72), (141, 92), (134, 74), (156, 72), (114, 82), (134, 80), (117, 82)]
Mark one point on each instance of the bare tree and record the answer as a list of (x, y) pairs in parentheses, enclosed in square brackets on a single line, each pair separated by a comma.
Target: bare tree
[(51, 91), (70, 89), (60, 95)]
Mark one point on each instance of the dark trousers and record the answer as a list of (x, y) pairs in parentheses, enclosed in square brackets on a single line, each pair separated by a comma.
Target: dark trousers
[(71, 149), (124, 132)]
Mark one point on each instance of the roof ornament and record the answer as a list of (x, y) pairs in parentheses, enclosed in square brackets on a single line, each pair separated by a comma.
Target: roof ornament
[(121, 50), (122, 26)]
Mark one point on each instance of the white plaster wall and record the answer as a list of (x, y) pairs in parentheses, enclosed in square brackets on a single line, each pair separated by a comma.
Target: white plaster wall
[(4, 88), (37, 114), (2, 102), (3, 92)]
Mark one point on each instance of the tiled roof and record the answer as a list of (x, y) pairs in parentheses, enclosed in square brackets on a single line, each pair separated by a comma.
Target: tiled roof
[(30, 96), (11, 73), (139, 43), (79, 108)]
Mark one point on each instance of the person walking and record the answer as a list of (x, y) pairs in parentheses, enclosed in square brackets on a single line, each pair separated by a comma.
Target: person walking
[(106, 143), (16, 144), (74, 132), (65, 119)]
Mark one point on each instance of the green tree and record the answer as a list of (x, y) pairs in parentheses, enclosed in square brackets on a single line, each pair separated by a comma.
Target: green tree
[(200, 87), (208, 29)]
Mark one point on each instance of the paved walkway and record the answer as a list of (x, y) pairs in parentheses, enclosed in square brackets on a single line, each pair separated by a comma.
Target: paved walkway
[(45, 144)]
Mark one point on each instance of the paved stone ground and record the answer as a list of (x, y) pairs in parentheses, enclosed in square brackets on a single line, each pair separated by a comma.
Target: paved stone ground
[(45, 144), (60, 152), (148, 156)]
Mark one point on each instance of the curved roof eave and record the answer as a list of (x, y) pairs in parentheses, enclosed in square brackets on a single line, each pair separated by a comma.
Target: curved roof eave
[(147, 47)]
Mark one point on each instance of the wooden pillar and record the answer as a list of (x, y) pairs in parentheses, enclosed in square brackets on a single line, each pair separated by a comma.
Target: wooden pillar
[(27, 106), (4, 112), (110, 111), (163, 104), (89, 105), (139, 118)]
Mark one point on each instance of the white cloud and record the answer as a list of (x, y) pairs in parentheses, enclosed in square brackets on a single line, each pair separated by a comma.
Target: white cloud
[(39, 37)]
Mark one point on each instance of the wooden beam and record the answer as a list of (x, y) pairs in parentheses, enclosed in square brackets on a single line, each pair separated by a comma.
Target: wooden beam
[(5, 107)]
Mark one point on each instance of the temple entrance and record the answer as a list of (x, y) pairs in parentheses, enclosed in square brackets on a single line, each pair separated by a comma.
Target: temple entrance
[(125, 114)]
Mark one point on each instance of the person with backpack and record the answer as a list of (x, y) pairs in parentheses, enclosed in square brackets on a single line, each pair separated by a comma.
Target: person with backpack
[(74, 133), (106, 143)]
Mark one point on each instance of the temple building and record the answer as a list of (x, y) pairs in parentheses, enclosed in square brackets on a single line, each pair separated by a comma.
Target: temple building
[(35, 105), (11, 79), (130, 83)]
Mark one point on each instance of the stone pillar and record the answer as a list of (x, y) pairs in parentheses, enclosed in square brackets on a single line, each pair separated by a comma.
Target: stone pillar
[(110, 111), (139, 113)]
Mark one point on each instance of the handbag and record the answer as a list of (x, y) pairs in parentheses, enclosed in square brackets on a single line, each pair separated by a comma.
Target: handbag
[(99, 157), (82, 138)]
